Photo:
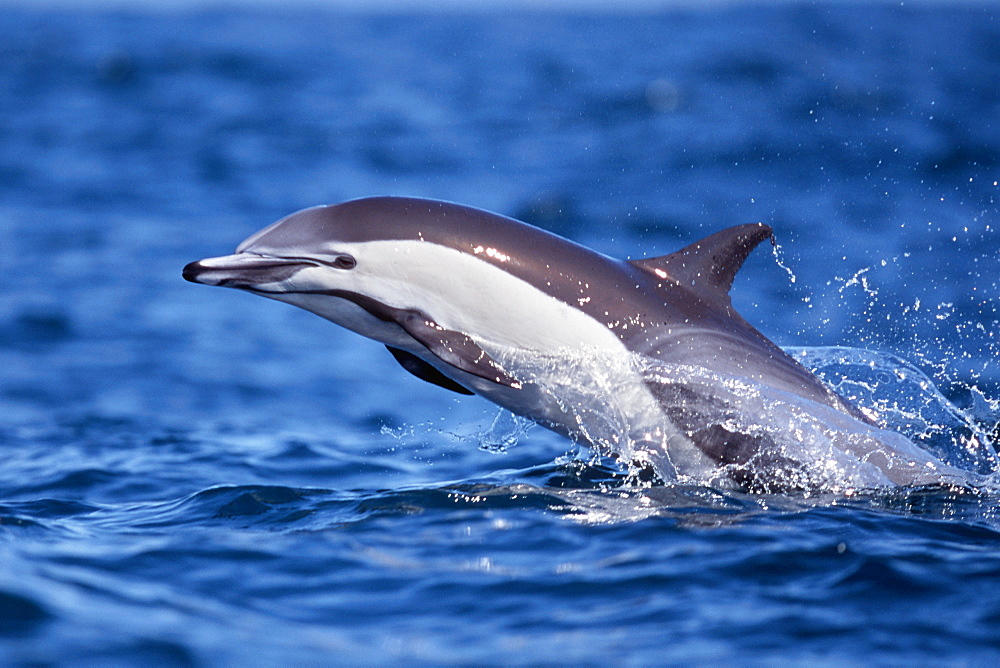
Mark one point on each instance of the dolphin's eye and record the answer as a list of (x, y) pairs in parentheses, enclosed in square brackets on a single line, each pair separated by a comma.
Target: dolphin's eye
[(345, 262)]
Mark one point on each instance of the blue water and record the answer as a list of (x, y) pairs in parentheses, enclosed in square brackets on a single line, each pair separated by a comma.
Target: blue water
[(193, 476)]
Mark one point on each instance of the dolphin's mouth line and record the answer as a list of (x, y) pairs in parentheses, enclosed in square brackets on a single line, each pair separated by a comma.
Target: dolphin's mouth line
[(244, 271), (247, 269)]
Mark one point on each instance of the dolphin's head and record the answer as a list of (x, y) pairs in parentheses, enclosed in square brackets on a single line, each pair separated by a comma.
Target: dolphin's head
[(363, 262), (270, 261), (318, 259)]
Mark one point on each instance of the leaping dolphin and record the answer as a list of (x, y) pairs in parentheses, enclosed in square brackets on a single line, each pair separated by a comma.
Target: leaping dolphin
[(480, 303)]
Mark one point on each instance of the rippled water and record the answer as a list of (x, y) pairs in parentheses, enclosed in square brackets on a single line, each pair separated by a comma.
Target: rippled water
[(196, 477)]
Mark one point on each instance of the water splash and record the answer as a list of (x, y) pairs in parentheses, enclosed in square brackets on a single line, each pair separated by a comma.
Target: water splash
[(905, 399), (696, 426), (506, 431), (776, 251), (503, 432)]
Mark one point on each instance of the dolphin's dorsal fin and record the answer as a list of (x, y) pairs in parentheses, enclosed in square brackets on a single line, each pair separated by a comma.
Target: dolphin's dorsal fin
[(709, 265)]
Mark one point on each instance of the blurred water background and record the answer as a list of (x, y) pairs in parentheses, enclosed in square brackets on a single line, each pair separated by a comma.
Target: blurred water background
[(191, 476)]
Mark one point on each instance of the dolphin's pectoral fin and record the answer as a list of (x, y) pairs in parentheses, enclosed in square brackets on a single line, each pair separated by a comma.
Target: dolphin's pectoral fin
[(456, 349), (709, 265), (425, 371)]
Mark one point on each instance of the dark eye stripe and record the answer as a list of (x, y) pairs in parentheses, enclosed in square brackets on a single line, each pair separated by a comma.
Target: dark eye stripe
[(339, 262)]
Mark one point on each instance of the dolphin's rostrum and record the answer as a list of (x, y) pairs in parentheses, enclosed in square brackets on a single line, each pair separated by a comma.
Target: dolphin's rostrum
[(479, 303)]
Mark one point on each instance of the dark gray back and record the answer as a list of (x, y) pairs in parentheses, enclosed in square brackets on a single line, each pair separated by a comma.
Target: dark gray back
[(669, 319)]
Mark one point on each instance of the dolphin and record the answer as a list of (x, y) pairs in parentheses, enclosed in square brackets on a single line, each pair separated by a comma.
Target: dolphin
[(643, 359)]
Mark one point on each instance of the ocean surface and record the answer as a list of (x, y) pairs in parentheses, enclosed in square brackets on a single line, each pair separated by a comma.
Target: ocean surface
[(198, 477)]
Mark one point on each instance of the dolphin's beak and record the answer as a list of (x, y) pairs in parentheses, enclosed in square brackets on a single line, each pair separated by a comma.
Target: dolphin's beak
[(243, 270)]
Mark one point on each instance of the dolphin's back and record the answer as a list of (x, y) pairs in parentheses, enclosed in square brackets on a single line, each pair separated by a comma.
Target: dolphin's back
[(675, 308)]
